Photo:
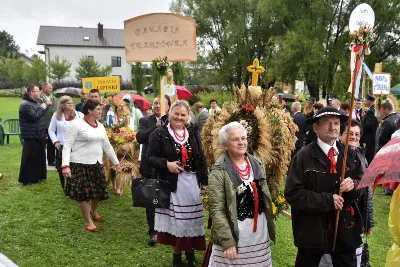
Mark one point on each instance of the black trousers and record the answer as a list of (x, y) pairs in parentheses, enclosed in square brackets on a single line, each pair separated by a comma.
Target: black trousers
[(51, 150), (150, 215), (307, 257)]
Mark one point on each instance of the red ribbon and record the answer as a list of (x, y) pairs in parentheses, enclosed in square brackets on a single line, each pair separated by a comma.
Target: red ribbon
[(255, 195), (331, 155), (185, 156)]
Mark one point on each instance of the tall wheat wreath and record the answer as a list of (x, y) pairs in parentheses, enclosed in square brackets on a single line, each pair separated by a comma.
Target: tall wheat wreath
[(271, 131)]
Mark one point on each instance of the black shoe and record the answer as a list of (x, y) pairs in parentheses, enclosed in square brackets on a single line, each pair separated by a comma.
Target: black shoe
[(191, 260), (153, 240), (386, 192), (177, 260)]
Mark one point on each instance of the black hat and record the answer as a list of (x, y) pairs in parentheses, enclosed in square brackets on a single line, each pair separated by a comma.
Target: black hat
[(311, 99), (327, 111), (370, 97), (359, 100)]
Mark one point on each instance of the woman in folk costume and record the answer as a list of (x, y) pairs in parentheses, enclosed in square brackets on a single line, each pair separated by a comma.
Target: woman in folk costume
[(176, 154), (240, 204)]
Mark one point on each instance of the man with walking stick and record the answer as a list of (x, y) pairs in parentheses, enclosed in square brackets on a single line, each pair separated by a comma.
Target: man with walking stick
[(312, 189)]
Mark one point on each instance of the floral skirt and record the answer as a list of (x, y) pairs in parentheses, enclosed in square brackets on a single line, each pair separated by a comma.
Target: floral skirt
[(87, 182)]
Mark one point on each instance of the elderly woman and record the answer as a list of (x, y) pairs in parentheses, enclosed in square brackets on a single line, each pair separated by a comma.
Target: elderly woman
[(58, 127), (176, 154), (240, 204), (81, 162)]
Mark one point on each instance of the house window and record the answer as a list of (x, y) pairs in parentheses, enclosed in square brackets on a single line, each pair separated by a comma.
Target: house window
[(116, 61), (91, 57)]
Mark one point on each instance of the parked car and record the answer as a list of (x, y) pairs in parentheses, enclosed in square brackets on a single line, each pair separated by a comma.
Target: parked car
[(148, 89)]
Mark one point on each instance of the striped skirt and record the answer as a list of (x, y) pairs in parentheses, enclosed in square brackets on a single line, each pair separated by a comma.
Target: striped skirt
[(182, 225), (253, 249)]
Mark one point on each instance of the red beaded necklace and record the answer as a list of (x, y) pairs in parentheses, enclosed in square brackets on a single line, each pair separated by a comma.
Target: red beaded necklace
[(95, 123), (179, 138), (244, 174)]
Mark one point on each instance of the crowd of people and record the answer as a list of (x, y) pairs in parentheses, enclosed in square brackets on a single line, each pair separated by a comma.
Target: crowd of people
[(240, 203)]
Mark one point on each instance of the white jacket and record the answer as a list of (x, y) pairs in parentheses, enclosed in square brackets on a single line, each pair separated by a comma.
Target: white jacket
[(85, 144), (58, 129)]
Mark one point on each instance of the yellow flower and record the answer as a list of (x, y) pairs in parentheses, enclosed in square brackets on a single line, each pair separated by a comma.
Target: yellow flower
[(273, 208), (280, 200)]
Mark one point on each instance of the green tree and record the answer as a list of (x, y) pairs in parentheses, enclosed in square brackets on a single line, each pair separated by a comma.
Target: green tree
[(179, 72), (17, 69), (38, 71), (139, 79), (105, 71), (231, 34), (155, 78), (7, 44), (315, 44), (59, 68), (88, 67)]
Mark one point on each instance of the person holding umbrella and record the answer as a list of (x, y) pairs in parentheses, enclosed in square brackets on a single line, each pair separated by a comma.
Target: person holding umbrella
[(312, 189)]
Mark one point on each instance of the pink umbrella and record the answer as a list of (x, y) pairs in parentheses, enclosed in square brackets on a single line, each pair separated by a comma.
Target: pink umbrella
[(140, 100), (183, 93)]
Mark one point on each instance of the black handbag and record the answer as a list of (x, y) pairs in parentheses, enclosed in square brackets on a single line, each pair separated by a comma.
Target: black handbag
[(150, 193)]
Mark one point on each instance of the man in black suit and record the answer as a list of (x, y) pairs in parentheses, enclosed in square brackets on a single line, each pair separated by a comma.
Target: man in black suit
[(369, 126), (300, 120), (79, 106), (146, 126), (357, 111)]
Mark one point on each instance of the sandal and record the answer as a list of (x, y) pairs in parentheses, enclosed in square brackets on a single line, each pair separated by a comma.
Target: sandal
[(116, 193), (98, 219)]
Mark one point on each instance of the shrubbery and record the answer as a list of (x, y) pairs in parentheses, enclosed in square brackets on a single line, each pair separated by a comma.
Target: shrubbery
[(219, 95), (16, 92)]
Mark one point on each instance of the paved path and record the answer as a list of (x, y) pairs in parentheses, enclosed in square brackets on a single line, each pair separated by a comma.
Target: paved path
[(6, 262)]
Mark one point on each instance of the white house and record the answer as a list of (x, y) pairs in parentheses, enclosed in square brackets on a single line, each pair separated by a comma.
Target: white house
[(106, 46)]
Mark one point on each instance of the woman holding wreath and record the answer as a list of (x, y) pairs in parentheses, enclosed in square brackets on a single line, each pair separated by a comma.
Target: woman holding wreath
[(240, 204), (176, 154), (81, 162)]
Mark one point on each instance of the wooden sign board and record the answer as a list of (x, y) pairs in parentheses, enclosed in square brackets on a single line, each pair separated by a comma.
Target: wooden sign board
[(158, 35)]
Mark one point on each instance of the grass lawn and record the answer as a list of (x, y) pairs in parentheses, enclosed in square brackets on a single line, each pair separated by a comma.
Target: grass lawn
[(40, 227)]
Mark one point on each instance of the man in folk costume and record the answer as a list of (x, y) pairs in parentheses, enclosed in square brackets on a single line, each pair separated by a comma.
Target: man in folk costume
[(312, 189)]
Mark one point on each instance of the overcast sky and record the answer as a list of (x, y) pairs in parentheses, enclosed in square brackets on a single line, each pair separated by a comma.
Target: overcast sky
[(22, 18)]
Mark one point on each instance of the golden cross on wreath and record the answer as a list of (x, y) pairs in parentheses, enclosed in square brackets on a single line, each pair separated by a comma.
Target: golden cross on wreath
[(255, 70)]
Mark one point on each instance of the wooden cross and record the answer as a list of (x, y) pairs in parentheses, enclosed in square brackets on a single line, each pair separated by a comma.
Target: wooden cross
[(255, 70)]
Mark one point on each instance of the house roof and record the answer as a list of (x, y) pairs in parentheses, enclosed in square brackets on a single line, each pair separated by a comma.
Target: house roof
[(73, 36)]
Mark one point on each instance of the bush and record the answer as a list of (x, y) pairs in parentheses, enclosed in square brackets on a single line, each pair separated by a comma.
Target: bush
[(4, 84), (219, 95), (16, 92)]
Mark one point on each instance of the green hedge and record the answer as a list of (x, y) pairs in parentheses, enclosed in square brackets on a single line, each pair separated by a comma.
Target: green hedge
[(219, 95), (17, 92)]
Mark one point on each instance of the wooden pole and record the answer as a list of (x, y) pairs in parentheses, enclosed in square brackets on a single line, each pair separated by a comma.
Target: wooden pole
[(346, 149), (162, 98), (363, 85)]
